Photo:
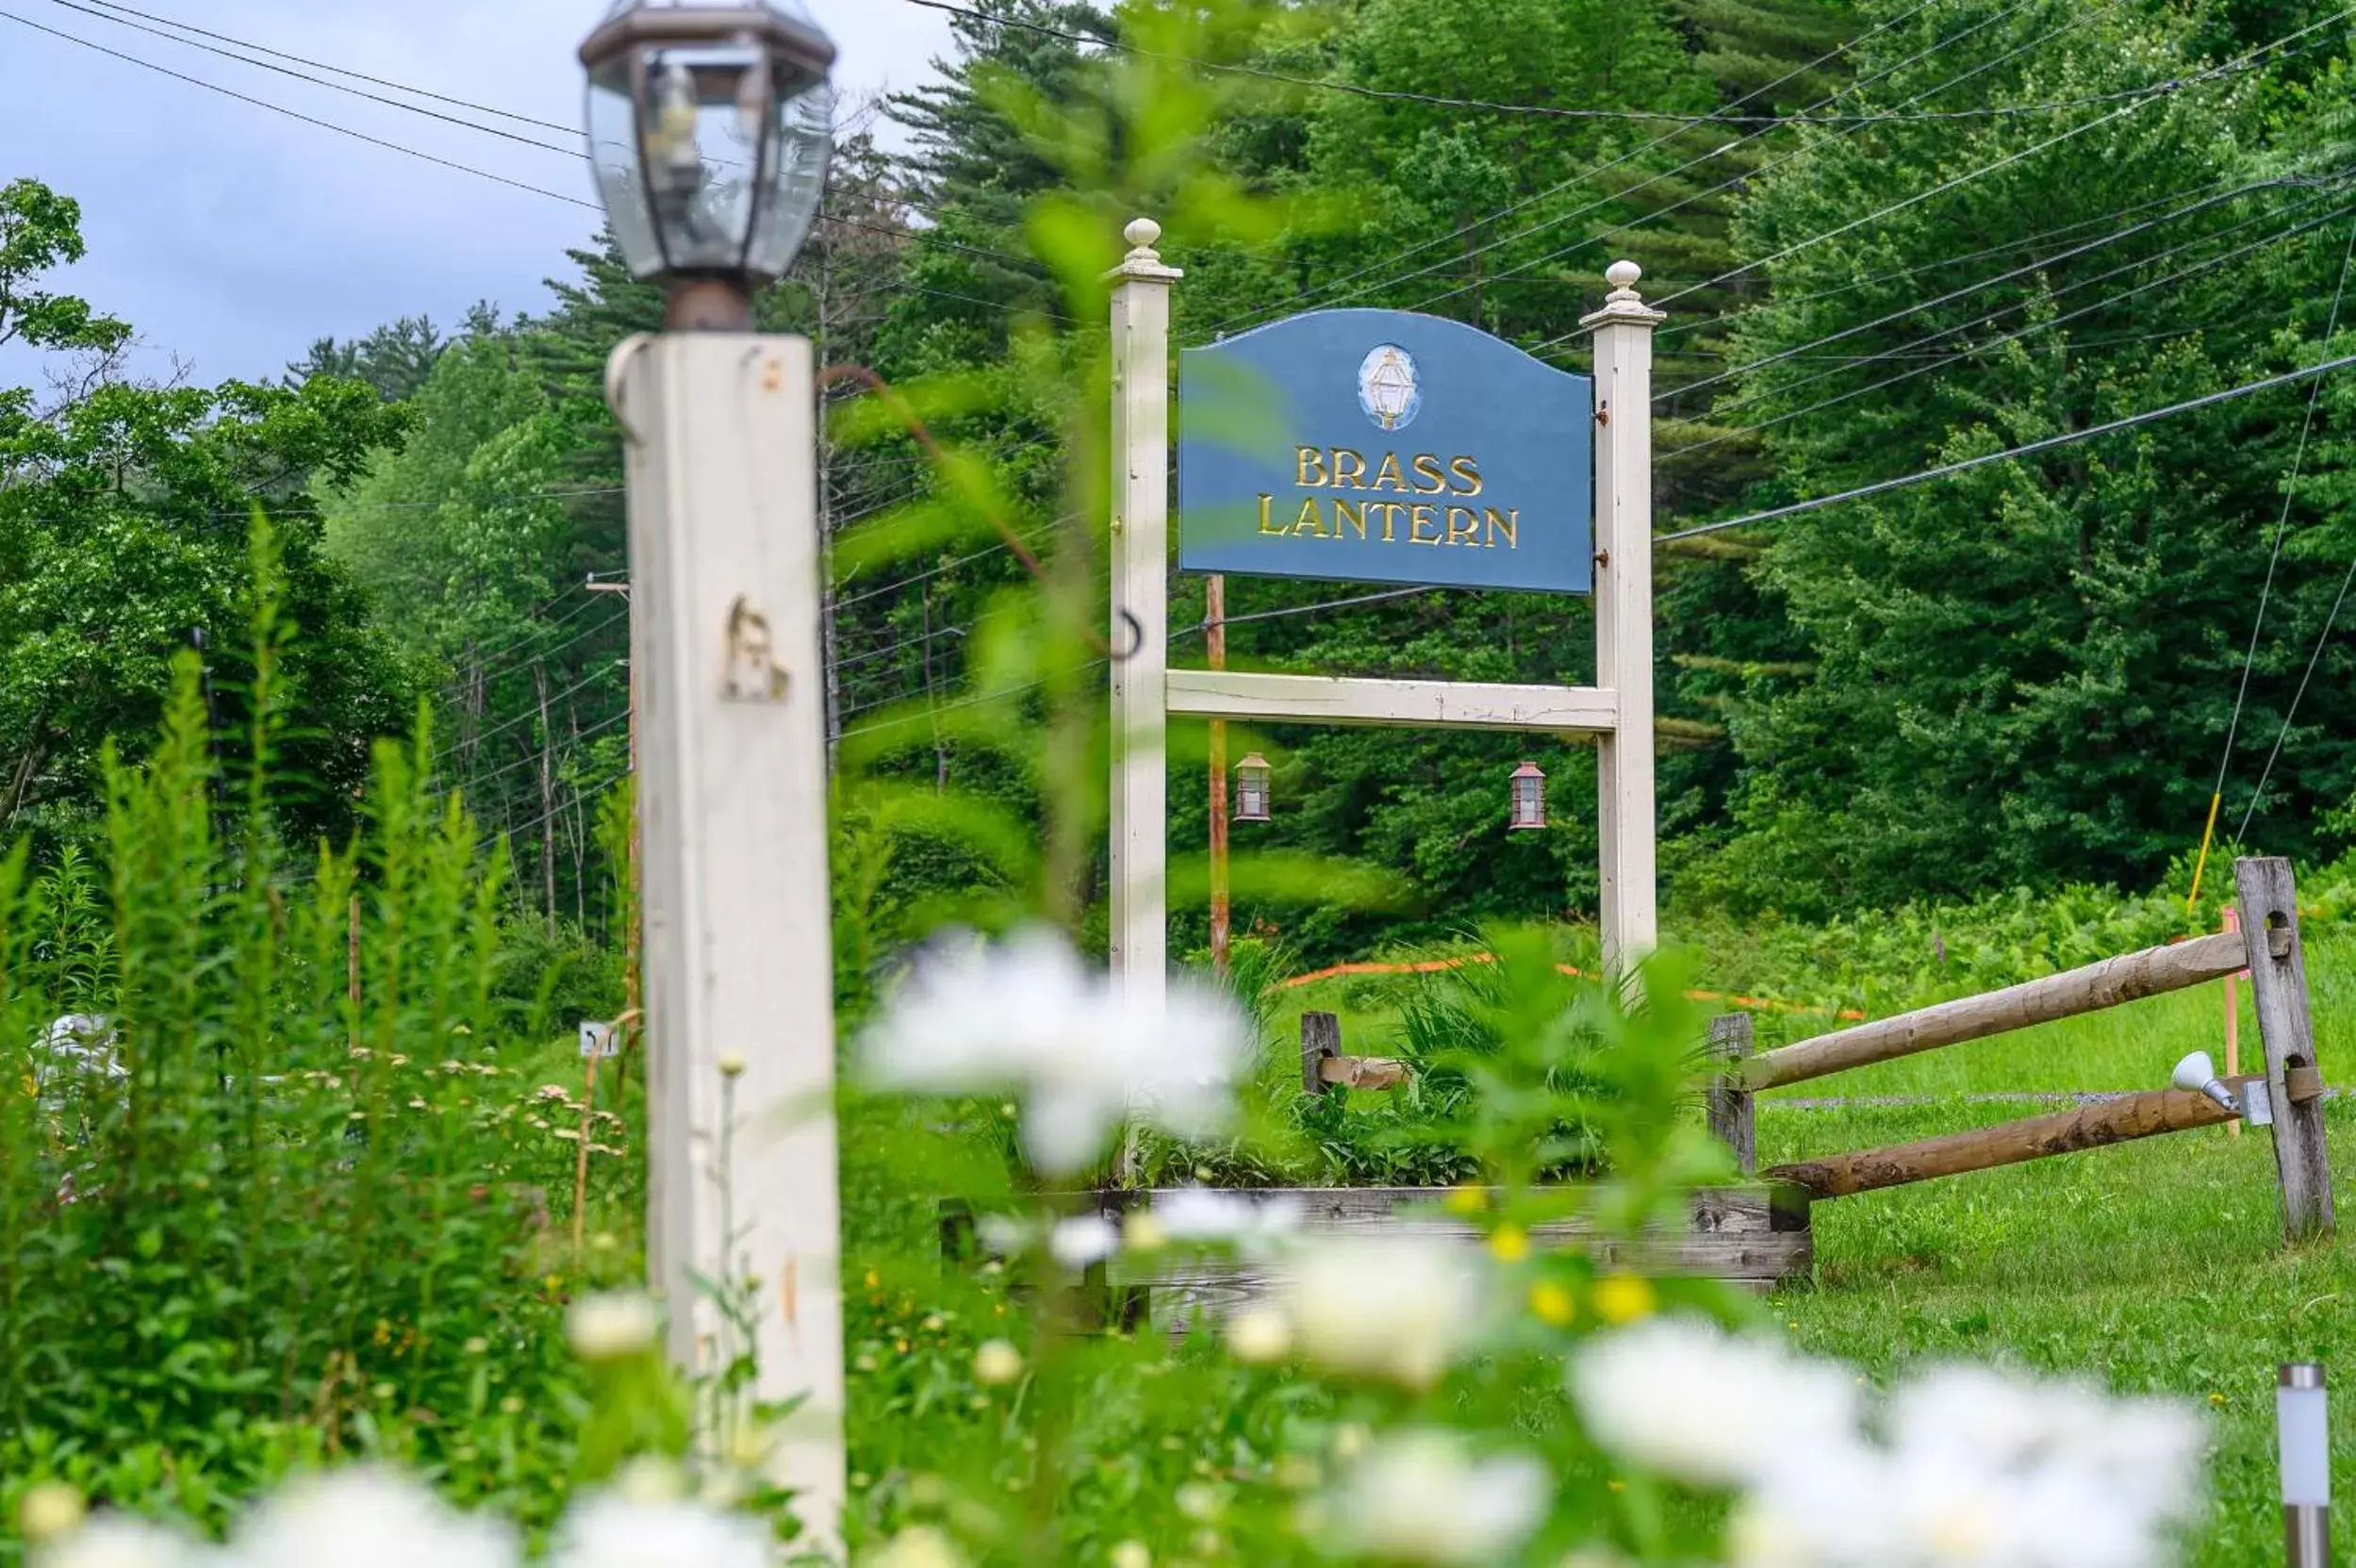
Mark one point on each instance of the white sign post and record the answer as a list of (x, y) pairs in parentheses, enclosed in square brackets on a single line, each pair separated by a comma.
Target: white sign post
[(732, 812), (1618, 709)]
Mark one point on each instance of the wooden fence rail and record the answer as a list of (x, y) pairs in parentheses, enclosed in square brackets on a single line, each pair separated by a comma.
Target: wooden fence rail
[(2267, 945)]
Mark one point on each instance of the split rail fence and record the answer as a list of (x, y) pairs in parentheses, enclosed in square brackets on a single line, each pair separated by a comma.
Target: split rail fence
[(2267, 947)]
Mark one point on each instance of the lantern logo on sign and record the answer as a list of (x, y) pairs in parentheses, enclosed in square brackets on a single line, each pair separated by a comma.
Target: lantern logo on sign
[(1388, 388)]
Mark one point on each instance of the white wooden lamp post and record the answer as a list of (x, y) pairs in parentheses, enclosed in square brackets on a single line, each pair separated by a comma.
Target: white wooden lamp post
[(709, 127)]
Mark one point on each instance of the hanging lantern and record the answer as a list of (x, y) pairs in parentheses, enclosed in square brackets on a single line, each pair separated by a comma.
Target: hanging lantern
[(1529, 799), (1251, 789)]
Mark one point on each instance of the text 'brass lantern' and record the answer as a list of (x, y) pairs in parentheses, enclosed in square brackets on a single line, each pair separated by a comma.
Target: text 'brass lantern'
[(1251, 789), (710, 126), (1529, 799)]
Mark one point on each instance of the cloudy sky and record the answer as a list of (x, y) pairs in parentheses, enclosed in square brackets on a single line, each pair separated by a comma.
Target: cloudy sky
[(233, 237)]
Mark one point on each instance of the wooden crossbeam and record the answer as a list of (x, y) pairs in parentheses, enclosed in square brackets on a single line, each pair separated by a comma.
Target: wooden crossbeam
[(1425, 704), (2114, 981), (2096, 1126)]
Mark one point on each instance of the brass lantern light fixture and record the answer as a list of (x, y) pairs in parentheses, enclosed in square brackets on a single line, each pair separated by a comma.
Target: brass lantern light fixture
[(709, 125), (1251, 789), (1529, 799)]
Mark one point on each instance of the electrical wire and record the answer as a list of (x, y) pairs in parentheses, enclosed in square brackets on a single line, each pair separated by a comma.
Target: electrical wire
[(336, 70), (2105, 303), (2008, 275), (1956, 181), (318, 81), (294, 114), (1584, 176), (2265, 593), (2077, 18), (1968, 351), (1553, 111), (2028, 449), (1308, 609)]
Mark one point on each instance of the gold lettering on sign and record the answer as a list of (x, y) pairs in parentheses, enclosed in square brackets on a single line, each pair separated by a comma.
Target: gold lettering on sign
[(1468, 473), (1427, 467), (1311, 520), (1466, 530), (1311, 470), (1505, 522), (1267, 504), (1350, 512), (1390, 510), (1387, 477), (1349, 470), (1419, 519)]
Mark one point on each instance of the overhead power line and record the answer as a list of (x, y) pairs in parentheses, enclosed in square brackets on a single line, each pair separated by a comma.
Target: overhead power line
[(1549, 111), (2028, 450), (2076, 18), (104, 15), (1956, 181), (336, 70), (296, 115), (2105, 303), (2274, 559)]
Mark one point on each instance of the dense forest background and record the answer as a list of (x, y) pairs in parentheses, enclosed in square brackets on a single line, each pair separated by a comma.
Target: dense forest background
[(1889, 235)]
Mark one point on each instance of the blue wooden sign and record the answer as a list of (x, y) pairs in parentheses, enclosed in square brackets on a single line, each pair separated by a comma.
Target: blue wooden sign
[(1378, 446)]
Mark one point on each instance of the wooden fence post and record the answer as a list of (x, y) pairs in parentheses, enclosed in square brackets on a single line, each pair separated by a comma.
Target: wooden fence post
[(1733, 1117), (1320, 1037), (2278, 987)]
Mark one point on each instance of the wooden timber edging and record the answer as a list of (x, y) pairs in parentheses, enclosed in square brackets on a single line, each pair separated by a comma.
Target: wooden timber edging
[(2149, 973), (1757, 1237)]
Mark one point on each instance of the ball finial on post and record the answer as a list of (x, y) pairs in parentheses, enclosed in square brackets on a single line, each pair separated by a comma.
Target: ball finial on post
[(1141, 234), (1622, 276)]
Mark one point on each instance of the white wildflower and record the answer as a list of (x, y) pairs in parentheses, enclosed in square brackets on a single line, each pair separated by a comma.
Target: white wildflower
[(612, 1531), (367, 1518), (1683, 1398), (112, 1541), (1259, 1335), (920, 1546), (998, 1363), (1395, 1309), (1084, 1239), (1983, 1469), (49, 1510), (1205, 1215), (1028, 1017), (610, 1326), (1419, 1497)]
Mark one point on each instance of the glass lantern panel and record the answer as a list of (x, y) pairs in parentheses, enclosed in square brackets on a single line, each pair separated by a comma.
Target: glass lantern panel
[(702, 132), (804, 139), (614, 162)]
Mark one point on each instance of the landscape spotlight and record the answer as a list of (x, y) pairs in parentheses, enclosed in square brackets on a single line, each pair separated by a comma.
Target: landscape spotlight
[(1251, 789), (710, 126), (2196, 1074), (1529, 799)]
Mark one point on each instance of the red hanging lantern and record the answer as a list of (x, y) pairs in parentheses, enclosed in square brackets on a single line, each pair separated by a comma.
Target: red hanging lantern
[(1529, 799), (1251, 789)]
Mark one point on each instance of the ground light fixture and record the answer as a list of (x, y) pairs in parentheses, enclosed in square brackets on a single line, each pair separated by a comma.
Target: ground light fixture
[(1251, 789), (2196, 1074), (1529, 799), (709, 125), (2300, 1420)]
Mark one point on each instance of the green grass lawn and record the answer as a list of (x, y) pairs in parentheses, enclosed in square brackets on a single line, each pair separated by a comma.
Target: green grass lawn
[(2155, 1267)]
